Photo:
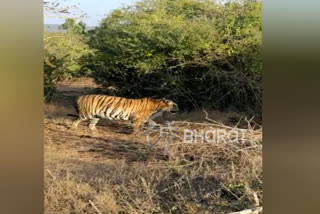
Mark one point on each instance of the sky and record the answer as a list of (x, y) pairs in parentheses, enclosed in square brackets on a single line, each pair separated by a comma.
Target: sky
[(95, 9)]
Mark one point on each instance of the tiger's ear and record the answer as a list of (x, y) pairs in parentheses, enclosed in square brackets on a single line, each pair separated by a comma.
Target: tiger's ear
[(165, 100), (163, 103)]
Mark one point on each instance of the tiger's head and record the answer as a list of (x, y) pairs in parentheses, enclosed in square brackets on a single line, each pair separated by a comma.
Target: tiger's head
[(169, 106)]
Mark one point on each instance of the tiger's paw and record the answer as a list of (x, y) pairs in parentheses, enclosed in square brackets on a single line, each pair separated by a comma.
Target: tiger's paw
[(93, 129), (73, 127)]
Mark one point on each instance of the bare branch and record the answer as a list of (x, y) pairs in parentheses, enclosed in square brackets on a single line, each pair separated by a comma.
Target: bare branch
[(58, 9)]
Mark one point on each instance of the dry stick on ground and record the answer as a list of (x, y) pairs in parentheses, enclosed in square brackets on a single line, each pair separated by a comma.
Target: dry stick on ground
[(255, 198), (213, 121), (250, 129), (49, 172), (256, 210), (94, 206)]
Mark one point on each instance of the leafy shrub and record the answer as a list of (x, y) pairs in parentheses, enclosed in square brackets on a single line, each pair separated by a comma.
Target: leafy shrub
[(63, 58), (195, 52)]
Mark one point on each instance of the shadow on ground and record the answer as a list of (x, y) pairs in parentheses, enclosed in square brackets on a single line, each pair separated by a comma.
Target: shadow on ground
[(107, 143), (112, 148)]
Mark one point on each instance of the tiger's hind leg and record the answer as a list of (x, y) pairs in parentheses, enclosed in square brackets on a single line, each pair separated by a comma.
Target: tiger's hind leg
[(76, 123), (92, 124)]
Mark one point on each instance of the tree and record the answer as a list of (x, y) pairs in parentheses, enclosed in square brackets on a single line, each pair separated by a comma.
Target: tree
[(71, 26), (82, 25)]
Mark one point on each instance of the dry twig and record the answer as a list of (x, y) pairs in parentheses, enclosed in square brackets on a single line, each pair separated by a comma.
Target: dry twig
[(256, 210), (94, 206)]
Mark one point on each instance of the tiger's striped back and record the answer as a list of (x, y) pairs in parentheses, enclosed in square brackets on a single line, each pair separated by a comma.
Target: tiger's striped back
[(113, 108)]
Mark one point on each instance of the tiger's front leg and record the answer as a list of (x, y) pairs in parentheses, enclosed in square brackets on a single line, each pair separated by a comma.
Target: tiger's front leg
[(137, 125), (151, 123)]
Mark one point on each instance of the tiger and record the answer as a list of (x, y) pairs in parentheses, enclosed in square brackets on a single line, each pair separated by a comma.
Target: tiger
[(138, 111)]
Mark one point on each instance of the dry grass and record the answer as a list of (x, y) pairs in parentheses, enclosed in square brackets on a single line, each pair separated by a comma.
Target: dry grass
[(110, 172)]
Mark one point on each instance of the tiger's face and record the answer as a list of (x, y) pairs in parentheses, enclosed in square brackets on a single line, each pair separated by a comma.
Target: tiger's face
[(169, 106)]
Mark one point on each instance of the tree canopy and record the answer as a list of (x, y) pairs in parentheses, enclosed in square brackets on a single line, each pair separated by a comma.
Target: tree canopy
[(71, 26)]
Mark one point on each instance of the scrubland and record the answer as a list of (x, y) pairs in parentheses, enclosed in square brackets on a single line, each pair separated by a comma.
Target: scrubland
[(111, 171)]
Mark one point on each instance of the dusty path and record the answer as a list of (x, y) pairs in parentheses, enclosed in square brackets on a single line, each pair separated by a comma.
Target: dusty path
[(102, 144), (110, 141)]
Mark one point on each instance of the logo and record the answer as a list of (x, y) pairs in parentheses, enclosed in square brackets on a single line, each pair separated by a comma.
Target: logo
[(157, 133), (167, 133)]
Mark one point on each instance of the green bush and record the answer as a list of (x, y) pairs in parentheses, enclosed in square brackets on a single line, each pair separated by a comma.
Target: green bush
[(195, 52), (64, 57)]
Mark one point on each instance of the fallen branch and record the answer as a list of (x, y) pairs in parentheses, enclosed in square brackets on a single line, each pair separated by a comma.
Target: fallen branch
[(256, 210), (213, 121)]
